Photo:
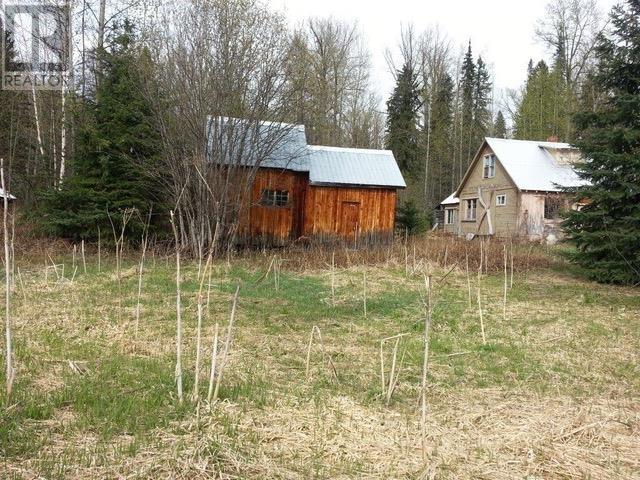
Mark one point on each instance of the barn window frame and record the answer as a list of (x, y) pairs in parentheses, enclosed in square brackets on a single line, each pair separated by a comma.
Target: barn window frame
[(489, 166), (470, 209), (274, 198), (501, 200)]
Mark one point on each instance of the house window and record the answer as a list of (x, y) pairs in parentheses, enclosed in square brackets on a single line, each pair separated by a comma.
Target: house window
[(489, 166), (450, 216), (470, 213), (274, 198), (501, 200)]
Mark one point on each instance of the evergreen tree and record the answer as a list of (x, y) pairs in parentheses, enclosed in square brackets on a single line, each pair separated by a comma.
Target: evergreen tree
[(411, 219), (116, 152), (482, 120), (402, 121), (607, 230), (441, 134), (542, 111), (500, 126), (467, 86)]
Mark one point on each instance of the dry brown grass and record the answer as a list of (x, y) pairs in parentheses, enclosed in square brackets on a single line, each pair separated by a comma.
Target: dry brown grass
[(551, 405)]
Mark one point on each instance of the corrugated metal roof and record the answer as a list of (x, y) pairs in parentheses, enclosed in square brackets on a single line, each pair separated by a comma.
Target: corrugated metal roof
[(326, 165), (280, 145), (353, 166), (450, 200), (532, 166)]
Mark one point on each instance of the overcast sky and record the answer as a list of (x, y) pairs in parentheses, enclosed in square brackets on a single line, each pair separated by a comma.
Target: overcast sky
[(501, 30)]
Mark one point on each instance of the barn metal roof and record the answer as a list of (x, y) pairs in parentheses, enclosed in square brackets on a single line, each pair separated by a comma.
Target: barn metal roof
[(326, 165), (353, 166), (282, 145), (532, 166)]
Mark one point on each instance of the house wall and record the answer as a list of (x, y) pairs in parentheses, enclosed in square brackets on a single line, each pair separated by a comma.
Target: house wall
[(330, 211), (504, 218), (274, 224)]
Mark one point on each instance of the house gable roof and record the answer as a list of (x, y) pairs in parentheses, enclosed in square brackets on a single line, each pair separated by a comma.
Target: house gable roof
[(290, 151), (531, 165)]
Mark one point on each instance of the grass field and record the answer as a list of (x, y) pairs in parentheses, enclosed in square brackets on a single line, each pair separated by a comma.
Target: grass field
[(553, 393)]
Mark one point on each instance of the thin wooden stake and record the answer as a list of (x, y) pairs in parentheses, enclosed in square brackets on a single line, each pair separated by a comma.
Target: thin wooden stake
[(333, 278), (196, 382), (511, 251), (364, 293), (178, 373), (227, 343), (425, 359), (484, 340), (84, 262), (504, 296), (214, 360), (99, 251), (9, 375), (468, 278)]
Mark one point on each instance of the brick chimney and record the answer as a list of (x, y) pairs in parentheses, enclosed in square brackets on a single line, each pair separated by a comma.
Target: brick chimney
[(553, 138)]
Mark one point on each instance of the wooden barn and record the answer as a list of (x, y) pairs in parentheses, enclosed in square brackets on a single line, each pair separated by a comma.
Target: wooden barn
[(322, 193)]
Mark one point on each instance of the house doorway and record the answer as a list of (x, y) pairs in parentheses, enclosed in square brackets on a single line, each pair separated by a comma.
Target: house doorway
[(349, 220)]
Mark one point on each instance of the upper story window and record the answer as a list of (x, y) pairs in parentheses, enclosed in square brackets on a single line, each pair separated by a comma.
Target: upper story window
[(470, 211), (274, 198), (501, 200), (489, 163)]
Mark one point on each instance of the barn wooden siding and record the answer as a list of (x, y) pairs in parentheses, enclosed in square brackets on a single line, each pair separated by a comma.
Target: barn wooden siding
[(274, 224), (316, 212), (349, 212)]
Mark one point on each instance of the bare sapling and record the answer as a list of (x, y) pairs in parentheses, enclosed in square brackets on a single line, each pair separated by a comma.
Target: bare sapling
[(214, 360), (388, 387), (145, 241), (84, 261), (504, 293), (200, 306), (119, 241), (9, 373), (178, 373), (333, 278), (73, 259), (484, 340), (511, 254), (364, 293), (425, 358), (468, 277), (24, 291), (99, 250), (325, 356), (227, 344)]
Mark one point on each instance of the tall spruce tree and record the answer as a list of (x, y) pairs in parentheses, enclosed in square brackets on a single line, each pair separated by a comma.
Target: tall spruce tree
[(467, 87), (115, 160), (500, 126), (607, 230), (402, 121), (482, 120)]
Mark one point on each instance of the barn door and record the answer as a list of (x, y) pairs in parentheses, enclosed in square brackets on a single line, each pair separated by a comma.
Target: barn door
[(349, 220)]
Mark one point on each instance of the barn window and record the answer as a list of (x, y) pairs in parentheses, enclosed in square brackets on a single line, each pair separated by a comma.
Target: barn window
[(274, 198), (553, 205), (450, 216), (472, 205), (501, 200), (489, 166)]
